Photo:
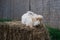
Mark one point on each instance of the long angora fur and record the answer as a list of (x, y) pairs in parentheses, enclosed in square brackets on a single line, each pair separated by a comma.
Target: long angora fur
[(31, 19)]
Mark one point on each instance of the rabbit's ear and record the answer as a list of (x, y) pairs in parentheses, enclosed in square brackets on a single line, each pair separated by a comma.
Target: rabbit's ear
[(40, 19)]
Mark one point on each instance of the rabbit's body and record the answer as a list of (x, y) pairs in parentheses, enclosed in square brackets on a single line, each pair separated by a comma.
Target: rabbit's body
[(30, 19)]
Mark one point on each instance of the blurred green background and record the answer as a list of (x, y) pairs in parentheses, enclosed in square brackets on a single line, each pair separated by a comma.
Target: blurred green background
[(4, 20), (54, 33)]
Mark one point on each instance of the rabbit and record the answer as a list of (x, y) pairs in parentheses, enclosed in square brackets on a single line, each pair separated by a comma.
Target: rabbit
[(38, 20), (31, 19)]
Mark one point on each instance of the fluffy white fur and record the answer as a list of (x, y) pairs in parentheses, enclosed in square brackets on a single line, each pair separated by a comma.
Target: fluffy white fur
[(31, 19)]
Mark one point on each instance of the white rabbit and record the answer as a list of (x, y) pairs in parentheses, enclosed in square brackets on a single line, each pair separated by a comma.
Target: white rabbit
[(31, 19)]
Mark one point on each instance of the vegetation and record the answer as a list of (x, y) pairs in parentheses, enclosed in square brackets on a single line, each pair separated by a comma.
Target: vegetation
[(54, 33), (4, 20)]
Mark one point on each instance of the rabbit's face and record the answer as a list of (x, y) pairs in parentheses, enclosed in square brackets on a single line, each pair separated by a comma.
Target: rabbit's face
[(39, 17)]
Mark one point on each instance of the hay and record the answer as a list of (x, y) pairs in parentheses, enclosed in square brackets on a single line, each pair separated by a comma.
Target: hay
[(14, 30)]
